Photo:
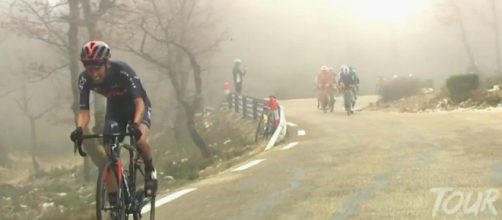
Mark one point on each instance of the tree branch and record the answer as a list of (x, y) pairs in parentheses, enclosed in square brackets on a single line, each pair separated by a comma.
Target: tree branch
[(44, 22)]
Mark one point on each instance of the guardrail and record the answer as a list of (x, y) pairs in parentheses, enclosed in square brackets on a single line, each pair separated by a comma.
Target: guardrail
[(249, 107), (252, 108)]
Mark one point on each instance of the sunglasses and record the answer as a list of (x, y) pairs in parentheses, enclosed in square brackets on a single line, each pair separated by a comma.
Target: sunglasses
[(92, 64)]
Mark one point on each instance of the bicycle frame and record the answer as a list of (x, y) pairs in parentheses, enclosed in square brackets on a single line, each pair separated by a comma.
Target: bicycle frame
[(126, 178)]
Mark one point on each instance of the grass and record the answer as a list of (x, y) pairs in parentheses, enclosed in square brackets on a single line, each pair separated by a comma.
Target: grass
[(68, 197)]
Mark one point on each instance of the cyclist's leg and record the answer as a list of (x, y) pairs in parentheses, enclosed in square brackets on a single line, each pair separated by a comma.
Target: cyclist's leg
[(115, 122), (332, 96), (146, 154), (319, 97)]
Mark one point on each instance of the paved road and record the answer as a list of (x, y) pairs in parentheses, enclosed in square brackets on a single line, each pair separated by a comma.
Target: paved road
[(372, 165)]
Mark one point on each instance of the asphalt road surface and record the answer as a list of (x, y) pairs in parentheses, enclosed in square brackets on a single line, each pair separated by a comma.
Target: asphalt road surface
[(371, 165)]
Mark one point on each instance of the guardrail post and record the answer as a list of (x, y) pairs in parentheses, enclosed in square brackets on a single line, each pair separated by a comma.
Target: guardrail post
[(228, 99), (244, 106), (255, 108), (236, 102)]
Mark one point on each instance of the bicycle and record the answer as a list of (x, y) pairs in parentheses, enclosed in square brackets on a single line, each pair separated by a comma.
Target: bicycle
[(348, 99), (265, 126), (130, 201)]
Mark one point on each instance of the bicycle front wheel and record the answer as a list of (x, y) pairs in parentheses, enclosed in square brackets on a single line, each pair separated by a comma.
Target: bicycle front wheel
[(261, 129), (109, 199)]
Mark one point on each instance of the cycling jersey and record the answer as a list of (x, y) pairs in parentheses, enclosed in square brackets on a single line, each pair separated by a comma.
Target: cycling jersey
[(348, 79), (120, 86), (324, 79)]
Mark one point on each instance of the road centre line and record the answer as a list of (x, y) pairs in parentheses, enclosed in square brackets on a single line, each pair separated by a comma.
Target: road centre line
[(167, 199), (290, 145), (291, 124), (248, 165), (301, 132)]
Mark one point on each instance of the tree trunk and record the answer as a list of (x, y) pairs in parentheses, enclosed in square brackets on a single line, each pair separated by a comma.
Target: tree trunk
[(33, 138), (92, 147), (4, 156), (472, 62), (190, 122), (73, 55), (497, 36)]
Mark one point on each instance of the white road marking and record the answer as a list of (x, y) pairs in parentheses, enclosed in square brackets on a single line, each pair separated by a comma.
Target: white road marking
[(167, 199), (301, 132), (291, 124), (248, 165), (290, 145)]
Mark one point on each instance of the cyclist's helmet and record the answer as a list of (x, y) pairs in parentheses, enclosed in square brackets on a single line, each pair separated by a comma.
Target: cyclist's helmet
[(237, 60), (95, 53), (344, 69)]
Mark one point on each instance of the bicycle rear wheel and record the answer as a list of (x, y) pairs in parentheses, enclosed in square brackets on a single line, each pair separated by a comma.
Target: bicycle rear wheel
[(105, 208), (145, 204), (152, 208)]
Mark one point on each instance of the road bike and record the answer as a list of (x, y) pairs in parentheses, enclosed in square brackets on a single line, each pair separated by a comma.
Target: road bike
[(265, 127), (113, 177)]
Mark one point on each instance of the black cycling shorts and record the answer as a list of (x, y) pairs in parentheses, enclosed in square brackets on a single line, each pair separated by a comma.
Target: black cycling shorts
[(118, 117)]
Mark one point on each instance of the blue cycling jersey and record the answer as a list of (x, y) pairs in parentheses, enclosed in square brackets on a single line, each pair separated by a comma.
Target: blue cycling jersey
[(120, 86)]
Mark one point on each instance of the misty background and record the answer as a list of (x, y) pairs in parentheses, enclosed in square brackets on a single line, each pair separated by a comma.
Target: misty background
[(281, 43)]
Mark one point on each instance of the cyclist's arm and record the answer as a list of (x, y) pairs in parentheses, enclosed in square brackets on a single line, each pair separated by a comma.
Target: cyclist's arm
[(83, 118), (140, 110), (136, 88)]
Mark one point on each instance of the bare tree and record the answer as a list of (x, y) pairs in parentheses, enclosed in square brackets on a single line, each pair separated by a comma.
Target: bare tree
[(46, 21), (31, 74), (496, 35), (175, 34), (449, 13)]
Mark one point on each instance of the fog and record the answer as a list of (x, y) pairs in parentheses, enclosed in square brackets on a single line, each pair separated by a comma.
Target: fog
[(282, 44)]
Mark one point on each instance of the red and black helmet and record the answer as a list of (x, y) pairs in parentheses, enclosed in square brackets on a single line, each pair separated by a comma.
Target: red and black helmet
[(95, 51)]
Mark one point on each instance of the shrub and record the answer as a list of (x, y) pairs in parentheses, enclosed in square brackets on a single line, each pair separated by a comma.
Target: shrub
[(493, 100), (461, 86), (399, 88)]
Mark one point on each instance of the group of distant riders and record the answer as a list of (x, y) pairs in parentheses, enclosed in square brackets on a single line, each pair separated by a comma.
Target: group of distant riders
[(331, 83)]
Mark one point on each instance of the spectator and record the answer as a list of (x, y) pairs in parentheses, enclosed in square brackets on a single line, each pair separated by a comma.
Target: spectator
[(238, 72)]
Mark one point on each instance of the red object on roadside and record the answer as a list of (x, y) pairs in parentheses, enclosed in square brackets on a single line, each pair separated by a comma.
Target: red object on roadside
[(272, 103), (226, 88), (226, 85)]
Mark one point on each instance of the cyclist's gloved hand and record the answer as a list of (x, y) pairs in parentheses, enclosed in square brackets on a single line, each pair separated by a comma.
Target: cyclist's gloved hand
[(76, 134), (135, 131)]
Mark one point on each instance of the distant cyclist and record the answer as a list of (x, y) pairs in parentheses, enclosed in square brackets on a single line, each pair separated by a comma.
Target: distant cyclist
[(324, 86), (348, 80), (332, 89), (353, 73), (272, 104)]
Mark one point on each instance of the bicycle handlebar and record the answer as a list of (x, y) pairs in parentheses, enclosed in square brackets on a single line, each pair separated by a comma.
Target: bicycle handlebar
[(78, 143)]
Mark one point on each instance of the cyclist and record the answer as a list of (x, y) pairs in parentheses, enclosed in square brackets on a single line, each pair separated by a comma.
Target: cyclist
[(353, 74), (324, 83), (348, 80), (273, 105), (127, 103), (332, 89)]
